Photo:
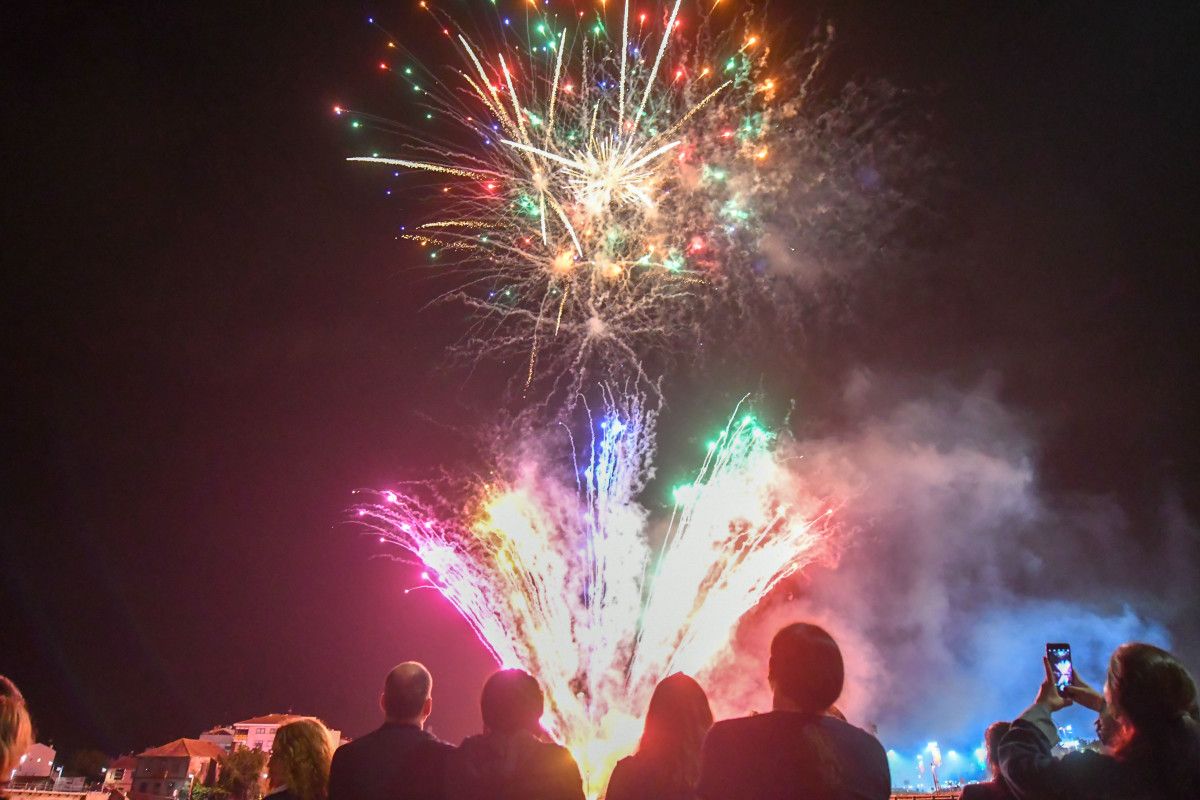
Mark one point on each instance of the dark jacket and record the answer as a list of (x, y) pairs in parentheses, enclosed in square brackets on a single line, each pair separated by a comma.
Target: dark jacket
[(640, 778), (513, 766), (394, 762), (1032, 771), (783, 755)]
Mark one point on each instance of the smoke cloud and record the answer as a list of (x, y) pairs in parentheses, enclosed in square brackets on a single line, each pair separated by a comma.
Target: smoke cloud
[(959, 567)]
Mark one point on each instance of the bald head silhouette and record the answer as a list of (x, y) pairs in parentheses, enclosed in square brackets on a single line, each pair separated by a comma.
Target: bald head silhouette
[(406, 694)]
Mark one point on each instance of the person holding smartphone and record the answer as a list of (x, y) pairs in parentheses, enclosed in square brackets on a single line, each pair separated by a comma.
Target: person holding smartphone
[(1152, 700)]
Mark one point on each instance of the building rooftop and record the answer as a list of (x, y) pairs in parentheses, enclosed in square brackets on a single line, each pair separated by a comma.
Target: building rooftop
[(124, 762), (184, 748), (268, 719)]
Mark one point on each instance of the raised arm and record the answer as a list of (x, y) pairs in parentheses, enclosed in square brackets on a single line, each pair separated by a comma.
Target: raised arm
[(1027, 760)]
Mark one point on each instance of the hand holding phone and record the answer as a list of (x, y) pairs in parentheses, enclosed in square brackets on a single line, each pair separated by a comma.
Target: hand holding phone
[(1059, 656), (1080, 692)]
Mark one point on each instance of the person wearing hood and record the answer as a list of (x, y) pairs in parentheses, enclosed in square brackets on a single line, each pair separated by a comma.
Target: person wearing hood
[(513, 759)]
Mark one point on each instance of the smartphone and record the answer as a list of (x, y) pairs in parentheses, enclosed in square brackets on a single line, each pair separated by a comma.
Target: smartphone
[(1059, 654)]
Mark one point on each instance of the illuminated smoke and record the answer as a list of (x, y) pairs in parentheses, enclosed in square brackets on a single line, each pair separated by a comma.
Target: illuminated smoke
[(962, 565)]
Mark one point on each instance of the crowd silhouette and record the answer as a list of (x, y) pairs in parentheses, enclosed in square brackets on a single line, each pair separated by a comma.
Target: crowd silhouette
[(1148, 721)]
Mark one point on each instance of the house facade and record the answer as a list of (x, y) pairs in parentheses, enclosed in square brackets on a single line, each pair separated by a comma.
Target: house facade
[(37, 763), (258, 733), (222, 736), (172, 770), (119, 775)]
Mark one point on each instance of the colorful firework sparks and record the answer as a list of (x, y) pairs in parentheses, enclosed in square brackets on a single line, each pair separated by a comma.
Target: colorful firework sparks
[(601, 179), (566, 582)]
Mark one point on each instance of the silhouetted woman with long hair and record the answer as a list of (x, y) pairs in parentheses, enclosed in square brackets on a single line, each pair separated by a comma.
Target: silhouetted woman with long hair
[(1156, 746), (300, 759), (16, 730), (667, 763), (996, 788)]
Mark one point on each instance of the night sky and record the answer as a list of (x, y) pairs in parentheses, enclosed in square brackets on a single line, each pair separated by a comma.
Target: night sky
[(213, 339)]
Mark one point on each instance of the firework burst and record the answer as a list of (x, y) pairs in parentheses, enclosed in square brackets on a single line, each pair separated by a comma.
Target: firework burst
[(575, 584), (602, 181)]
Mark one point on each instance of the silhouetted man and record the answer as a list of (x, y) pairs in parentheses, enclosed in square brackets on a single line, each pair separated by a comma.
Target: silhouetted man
[(513, 759), (796, 750), (399, 760)]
